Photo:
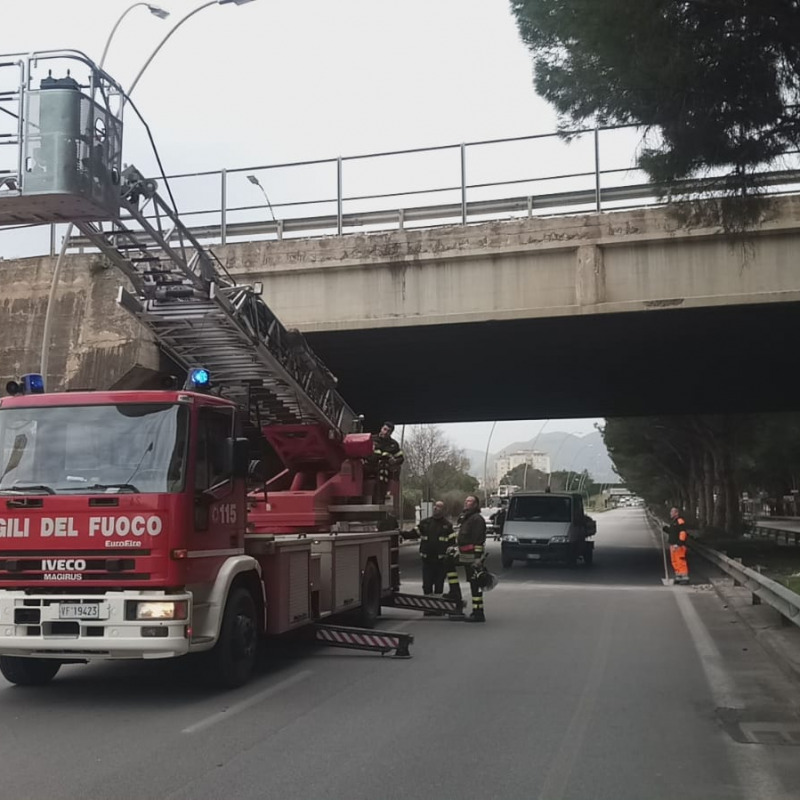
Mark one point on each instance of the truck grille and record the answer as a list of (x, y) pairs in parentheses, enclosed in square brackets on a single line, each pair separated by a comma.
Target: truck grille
[(50, 567)]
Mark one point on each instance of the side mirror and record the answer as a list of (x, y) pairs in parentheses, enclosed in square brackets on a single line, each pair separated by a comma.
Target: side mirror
[(237, 457)]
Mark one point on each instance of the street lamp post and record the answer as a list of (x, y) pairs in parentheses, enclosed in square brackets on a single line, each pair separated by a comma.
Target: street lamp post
[(156, 11), (44, 360), (558, 450), (486, 464), (175, 28), (254, 180), (574, 459)]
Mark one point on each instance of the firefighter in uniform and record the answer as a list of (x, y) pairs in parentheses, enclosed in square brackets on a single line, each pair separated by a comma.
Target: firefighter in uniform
[(678, 537), (436, 535), (386, 459), (469, 553)]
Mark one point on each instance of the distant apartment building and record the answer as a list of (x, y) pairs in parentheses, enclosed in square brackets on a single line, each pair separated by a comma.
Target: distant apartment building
[(533, 458)]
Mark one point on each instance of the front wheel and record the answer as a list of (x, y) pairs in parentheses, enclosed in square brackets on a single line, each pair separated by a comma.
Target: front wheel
[(588, 555), (26, 671), (506, 562), (234, 655)]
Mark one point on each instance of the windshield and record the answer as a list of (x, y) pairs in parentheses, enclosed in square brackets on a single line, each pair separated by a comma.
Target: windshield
[(540, 509), (93, 449)]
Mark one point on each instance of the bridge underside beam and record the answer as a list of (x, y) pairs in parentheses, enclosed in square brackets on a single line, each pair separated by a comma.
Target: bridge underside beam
[(712, 360)]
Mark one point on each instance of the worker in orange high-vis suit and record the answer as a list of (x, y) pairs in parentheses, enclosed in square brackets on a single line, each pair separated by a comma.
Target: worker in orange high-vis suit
[(677, 545)]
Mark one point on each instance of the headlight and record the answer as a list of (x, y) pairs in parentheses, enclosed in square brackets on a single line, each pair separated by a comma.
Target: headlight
[(162, 610), (509, 537), (557, 539)]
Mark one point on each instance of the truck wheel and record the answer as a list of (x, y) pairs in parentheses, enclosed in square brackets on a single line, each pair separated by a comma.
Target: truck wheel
[(26, 671), (234, 655), (507, 563), (370, 596)]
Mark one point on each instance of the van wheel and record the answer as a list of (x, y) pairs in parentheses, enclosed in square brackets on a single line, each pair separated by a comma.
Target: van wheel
[(370, 596), (506, 562), (234, 655), (26, 671), (588, 556)]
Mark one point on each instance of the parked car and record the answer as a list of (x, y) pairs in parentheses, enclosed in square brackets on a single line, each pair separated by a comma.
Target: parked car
[(547, 526)]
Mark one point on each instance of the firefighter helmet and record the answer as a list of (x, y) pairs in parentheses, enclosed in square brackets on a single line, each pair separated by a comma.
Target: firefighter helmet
[(485, 579)]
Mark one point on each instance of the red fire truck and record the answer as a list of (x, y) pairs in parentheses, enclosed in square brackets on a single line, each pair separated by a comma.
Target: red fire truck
[(147, 524)]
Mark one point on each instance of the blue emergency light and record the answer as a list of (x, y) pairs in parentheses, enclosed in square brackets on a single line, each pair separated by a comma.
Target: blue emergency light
[(199, 378), (33, 383)]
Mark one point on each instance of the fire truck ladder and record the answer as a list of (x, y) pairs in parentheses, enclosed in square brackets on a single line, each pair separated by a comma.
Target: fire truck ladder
[(63, 163), (202, 317)]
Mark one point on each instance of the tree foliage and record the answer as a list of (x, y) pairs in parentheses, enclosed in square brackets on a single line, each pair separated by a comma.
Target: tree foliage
[(559, 481), (435, 469), (717, 81), (707, 464)]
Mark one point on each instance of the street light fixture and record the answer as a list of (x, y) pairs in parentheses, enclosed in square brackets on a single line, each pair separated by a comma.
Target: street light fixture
[(156, 11), (175, 28), (254, 180)]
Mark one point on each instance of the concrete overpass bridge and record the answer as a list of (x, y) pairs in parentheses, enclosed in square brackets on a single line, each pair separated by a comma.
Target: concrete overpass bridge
[(530, 292), (597, 314)]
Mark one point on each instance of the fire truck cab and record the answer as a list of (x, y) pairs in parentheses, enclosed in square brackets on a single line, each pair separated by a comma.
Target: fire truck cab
[(127, 531)]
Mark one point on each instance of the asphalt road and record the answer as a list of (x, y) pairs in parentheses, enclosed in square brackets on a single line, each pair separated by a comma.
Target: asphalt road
[(584, 684)]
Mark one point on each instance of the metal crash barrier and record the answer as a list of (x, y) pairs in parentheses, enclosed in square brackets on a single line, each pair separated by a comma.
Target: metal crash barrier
[(762, 589)]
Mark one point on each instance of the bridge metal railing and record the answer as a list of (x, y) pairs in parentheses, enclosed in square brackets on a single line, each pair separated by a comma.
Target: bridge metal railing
[(587, 170)]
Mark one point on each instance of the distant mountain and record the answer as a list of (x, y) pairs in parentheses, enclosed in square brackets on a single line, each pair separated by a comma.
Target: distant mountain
[(566, 451)]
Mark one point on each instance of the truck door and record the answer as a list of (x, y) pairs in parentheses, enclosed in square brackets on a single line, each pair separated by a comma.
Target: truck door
[(219, 499)]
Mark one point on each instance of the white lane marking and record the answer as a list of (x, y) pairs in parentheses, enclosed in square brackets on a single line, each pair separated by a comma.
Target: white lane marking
[(748, 761), (563, 764), (237, 708)]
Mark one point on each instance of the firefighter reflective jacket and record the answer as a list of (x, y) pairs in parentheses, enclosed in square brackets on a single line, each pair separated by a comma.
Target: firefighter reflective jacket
[(436, 534), (677, 531), (471, 535), (387, 448)]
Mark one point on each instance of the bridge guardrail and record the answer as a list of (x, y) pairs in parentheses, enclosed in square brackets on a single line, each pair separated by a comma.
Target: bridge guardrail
[(781, 536), (477, 211), (587, 171)]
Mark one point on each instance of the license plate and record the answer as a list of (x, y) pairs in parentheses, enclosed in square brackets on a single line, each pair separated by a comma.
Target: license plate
[(81, 611), (534, 556)]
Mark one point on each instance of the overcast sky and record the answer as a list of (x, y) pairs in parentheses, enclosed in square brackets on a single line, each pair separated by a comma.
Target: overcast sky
[(278, 80), (281, 80), (475, 435)]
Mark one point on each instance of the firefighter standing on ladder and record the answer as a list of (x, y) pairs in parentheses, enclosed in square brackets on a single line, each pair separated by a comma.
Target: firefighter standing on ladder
[(386, 460), (469, 553)]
